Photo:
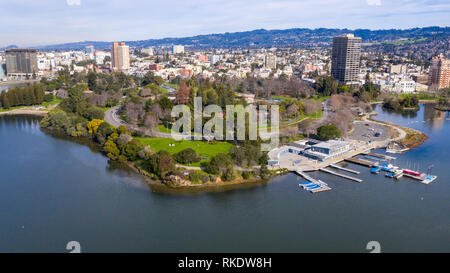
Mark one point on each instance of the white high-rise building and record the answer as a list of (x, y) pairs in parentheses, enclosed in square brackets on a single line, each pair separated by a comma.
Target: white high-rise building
[(148, 51), (177, 49)]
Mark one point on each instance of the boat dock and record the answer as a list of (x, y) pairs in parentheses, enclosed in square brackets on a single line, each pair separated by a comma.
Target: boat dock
[(313, 185), (341, 175), (363, 162), (344, 169), (424, 178), (380, 156)]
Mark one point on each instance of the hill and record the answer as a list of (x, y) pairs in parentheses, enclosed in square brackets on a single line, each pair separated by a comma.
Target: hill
[(296, 37)]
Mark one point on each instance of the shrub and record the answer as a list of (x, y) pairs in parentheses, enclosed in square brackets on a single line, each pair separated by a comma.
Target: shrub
[(186, 156)]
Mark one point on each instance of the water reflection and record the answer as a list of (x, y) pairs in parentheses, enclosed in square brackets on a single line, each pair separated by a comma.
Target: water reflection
[(433, 118)]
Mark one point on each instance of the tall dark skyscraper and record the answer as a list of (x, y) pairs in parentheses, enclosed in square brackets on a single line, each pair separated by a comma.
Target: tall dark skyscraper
[(21, 61), (345, 58)]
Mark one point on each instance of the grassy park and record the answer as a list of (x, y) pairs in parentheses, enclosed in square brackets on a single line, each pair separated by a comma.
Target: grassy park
[(204, 149)]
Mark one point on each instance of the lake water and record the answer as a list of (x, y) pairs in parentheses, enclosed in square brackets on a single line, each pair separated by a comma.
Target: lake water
[(53, 191), (6, 87)]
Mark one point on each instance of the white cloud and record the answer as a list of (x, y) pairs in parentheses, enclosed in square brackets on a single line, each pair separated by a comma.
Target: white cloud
[(73, 2), (373, 2)]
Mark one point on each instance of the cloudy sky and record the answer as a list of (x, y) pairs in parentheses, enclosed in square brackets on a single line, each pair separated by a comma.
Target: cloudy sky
[(31, 22)]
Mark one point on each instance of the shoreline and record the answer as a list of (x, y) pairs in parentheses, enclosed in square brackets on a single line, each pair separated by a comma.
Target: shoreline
[(17, 82), (412, 133), (40, 113), (420, 101), (201, 187)]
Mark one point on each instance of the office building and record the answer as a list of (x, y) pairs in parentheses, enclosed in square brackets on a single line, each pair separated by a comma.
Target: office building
[(148, 51), (120, 57), (21, 62), (439, 73), (177, 49), (345, 58)]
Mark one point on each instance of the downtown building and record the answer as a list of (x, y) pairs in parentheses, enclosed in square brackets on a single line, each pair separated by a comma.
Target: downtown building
[(345, 58), (177, 49), (439, 73), (21, 63), (120, 57)]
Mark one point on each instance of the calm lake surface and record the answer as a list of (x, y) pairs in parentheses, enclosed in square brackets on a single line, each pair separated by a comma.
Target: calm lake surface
[(53, 191), (7, 87)]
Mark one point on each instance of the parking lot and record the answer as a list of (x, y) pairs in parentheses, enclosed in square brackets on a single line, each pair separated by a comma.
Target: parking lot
[(367, 131)]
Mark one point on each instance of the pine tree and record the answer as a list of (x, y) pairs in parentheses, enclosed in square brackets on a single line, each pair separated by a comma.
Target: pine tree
[(5, 101)]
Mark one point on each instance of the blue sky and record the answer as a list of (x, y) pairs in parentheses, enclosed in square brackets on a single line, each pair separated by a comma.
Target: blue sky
[(41, 22)]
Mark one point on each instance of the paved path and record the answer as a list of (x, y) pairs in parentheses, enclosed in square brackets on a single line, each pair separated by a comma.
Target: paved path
[(112, 118)]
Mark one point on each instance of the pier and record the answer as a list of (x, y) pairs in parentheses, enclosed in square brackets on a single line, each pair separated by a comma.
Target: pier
[(341, 175), (344, 169), (321, 185), (380, 156), (363, 162)]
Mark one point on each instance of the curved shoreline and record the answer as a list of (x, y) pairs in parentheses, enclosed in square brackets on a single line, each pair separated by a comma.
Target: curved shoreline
[(25, 112), (403, 131), (204, 187)]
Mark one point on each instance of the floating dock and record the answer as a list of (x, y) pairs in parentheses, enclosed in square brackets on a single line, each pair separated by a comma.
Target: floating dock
[(344, 169), (363, 162), (313, 185), (424, 178), (381, 156), (341, 175)]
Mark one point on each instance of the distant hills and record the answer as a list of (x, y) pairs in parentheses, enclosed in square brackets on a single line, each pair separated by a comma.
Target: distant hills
[(295, 37)]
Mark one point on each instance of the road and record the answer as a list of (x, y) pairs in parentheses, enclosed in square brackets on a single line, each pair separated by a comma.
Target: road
[(170, 89), (112, 118)]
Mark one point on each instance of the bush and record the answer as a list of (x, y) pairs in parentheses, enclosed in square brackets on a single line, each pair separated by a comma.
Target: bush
[(48, 97), (246, 175), (219, 164), (186, 156)]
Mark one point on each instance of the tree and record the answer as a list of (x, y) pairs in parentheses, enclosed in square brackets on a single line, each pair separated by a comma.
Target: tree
[(219, 164), (229, 174), (182, 94), (5, 100), (161, 163), (93, 125), (111, 149), (165, 103), (186, 156), (132, 149), (56, 119), (48, 97), (326, 86), (327, 132)]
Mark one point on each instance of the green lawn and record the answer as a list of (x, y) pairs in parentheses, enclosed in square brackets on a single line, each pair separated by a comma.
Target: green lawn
[(320, 98), (171, 84), (281, 98), (164, 129), (420, 96), (163, 90), (12, 108), (202, 148), (55, 100)]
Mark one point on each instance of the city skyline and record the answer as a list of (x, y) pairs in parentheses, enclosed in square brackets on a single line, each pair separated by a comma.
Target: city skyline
[(26, 23)]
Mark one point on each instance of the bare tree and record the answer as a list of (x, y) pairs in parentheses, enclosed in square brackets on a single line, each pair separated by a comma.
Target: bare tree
[(311, 106), (150, 120)]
